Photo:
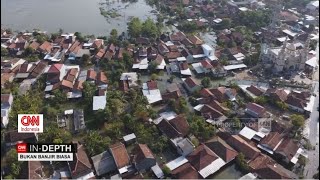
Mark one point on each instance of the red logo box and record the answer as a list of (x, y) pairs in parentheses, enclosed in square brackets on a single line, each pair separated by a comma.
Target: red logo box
[(21, 148)]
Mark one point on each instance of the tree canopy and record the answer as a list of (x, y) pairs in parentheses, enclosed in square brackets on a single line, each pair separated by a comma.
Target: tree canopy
[(95, 143), (297, 121), (206, 82)]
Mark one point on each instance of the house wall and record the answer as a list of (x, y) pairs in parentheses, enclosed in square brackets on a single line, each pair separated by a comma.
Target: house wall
[(145, 164)]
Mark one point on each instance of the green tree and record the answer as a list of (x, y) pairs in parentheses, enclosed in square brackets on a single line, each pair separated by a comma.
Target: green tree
[(59, 98), (29, 51), (85, 59), (302, 161), (153, 66), (4, 52), (160, 145), (241, 162), (206, 82), (113, 36), (13, 163), (297, 121), (41, 38), (166, 170), (150, 29), (135, 27), (281, 105), (154, 77), (262, 100), (95, 143), (225, 23), (128, 61), (30, 103), (79, 36), (200, 128), (89, 90), (114, 129), (53, 133)]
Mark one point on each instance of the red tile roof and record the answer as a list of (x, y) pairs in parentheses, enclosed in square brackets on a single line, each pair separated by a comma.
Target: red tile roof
[(239, 144), (100, 54), (97, 43), (288, 147), (255, 90), (195, 40), (260, 162), (256, 108), (296, 102), (186, 171), (277, 94), (181, 124), (91, 74), (80, 165), (173, 55), (102, 78), (120, 155), (34, 45), (222, 149), (142, 152), (205, 93), (191, 82), (166, 128), (55, 68), (272, 140), (206, 64), (201, 157), (46, 46)]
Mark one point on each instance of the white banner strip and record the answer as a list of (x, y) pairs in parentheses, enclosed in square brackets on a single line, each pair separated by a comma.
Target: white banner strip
[(45, 156)]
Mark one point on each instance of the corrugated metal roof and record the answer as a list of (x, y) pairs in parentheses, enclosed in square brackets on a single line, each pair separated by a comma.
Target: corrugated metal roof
[(174, 164)]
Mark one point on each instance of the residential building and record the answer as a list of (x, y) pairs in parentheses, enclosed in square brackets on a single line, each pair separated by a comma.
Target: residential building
[(151, 91), (205, 161), (191, 84), (80, 167), (255, 110), (183, 145), (271, 142), (103, 163), (186, 171), (173, 128), (143, 158), (55, 73), (222, 149), (121, 157)]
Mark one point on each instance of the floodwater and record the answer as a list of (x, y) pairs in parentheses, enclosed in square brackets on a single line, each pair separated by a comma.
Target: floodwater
[(71, 15), (229, 172)]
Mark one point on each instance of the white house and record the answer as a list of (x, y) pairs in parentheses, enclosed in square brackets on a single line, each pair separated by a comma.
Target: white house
[(151, 92), (6, 102)]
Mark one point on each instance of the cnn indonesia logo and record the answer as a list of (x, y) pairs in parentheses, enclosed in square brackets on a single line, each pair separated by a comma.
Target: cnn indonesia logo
[(30, 123)]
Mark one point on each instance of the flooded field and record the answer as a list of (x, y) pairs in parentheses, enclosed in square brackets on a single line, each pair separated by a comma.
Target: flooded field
[(87, 16)]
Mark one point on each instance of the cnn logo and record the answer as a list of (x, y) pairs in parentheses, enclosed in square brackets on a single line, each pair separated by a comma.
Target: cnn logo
[(30, 123), (21, 148)]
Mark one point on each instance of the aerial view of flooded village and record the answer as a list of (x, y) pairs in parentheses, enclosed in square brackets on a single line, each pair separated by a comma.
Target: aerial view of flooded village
[(159, 89)]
